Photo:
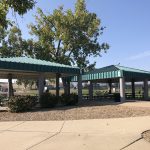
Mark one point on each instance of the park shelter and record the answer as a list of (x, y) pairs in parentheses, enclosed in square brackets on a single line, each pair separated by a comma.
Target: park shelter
[(30, 68), (116, 73)]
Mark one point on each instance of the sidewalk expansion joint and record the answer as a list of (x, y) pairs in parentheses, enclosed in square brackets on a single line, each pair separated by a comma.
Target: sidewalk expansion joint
[(47, 137), (131, 143), (11, 127), (26, 131)]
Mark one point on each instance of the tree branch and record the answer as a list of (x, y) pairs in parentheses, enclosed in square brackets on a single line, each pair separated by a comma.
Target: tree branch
[(58, 48), (70, 53)]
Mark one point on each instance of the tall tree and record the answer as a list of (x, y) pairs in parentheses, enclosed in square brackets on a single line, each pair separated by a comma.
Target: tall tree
[(18, 6), (26, 83), (11, 44), (68, 37)]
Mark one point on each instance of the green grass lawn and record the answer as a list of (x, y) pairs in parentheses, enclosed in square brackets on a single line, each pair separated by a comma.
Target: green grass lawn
[(84, 91)]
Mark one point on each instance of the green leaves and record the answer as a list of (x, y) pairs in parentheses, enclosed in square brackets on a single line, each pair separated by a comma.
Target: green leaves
[(3, 13), (19, 6), (12, 43), (69, 37), (65, 36)]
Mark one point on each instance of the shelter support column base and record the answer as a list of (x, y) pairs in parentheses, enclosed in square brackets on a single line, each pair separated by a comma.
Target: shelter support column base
[(91, 91), (10, 86), (145, 89), (57, 84), (133, 88), (68, 88), (79, 88), (110, 87), (40, 85), (122, 89)]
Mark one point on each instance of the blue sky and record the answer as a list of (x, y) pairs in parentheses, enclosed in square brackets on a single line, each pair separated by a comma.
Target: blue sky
[(127, 29)]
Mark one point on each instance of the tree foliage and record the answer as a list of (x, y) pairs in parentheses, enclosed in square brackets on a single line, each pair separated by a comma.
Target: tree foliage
[(12, 44), (64, 36), (26, 83), (19, 6), (68, 37)]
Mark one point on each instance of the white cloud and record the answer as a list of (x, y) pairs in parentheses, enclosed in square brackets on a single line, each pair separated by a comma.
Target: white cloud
[(140, 55)]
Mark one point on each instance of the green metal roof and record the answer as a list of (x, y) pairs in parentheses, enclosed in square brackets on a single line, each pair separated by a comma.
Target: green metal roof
[(115, 71), (131, 69), (37, 65)]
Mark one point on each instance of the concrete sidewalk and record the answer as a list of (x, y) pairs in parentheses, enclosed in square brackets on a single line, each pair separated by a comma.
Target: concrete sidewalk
[(100, 134)]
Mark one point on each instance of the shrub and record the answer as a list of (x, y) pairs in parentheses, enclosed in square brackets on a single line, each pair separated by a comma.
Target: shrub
[(116, 97), (21, 103), (99, 93), (2, 99), (48, 100), (70, 99)]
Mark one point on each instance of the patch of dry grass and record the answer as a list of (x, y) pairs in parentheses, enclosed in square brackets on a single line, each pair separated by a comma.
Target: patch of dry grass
[(89, 110)]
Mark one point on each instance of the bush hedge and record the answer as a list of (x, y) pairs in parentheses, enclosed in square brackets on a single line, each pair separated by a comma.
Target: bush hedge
[(48, 100), (2, 99), (21, 103), (116, 97), (71, 99)]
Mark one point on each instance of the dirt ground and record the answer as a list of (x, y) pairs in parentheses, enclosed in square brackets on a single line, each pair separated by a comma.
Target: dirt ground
[(88, 110)]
